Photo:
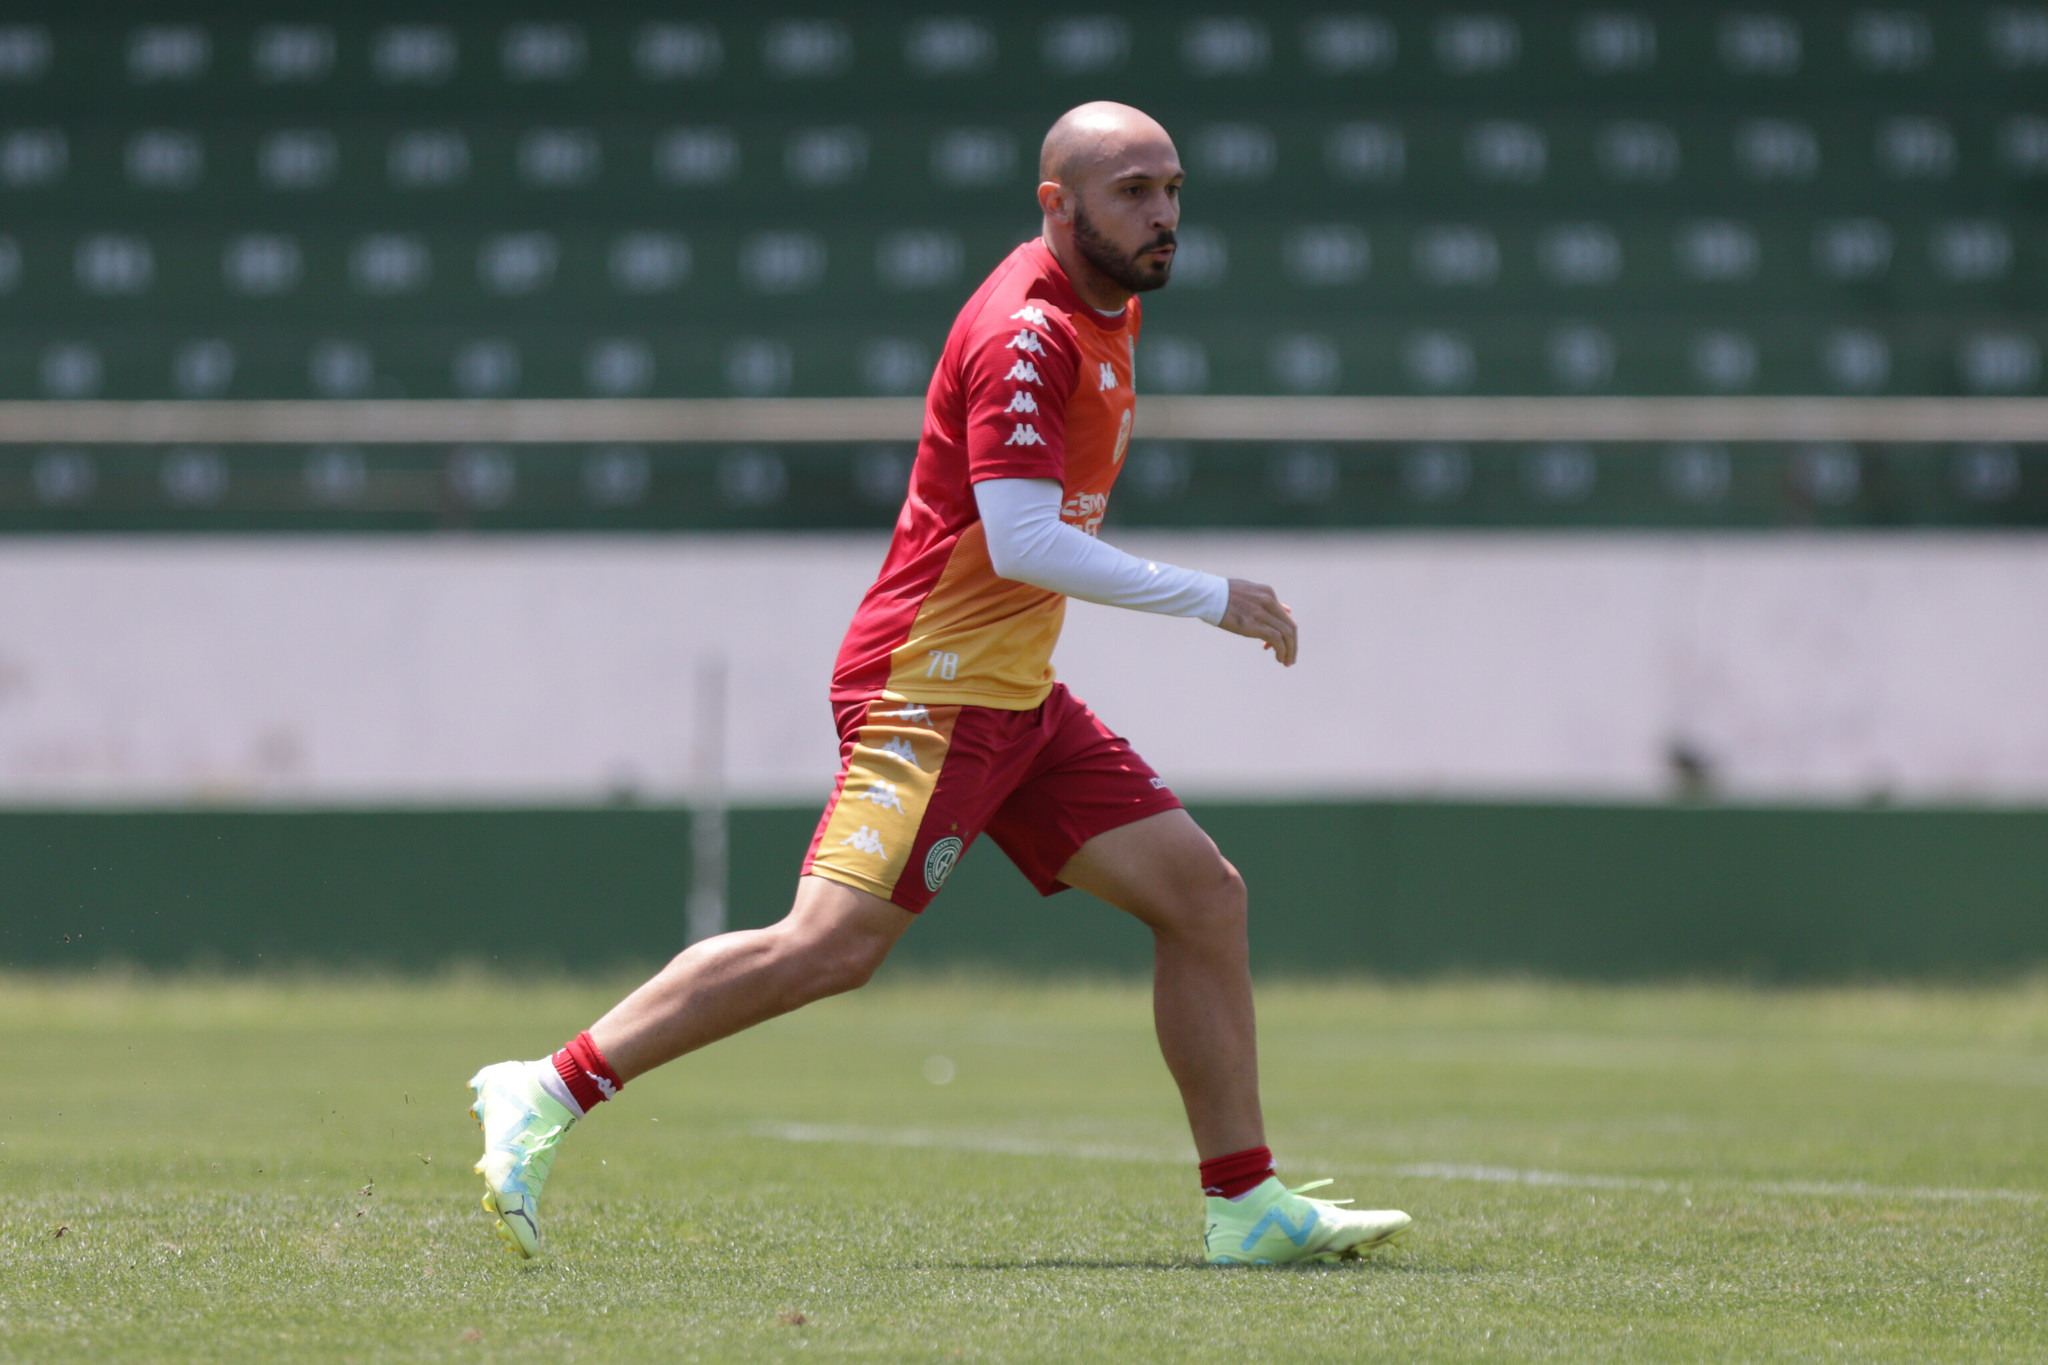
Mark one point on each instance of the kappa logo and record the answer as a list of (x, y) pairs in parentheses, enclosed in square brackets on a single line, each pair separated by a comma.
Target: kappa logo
[(1024, 372), (1034, 316), (1027, 340), (1106, 380), (1025, 435), (913, 714), (604, 1087), (1021, 401), (864, 840), (902, 748), (938, 864), (1123, 438), (883, 794)]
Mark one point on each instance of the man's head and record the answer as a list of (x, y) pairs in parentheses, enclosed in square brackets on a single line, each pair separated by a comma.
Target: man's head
[(1109, 182)]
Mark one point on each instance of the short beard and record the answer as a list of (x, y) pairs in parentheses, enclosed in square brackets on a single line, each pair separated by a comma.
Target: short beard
[(1124, 271)]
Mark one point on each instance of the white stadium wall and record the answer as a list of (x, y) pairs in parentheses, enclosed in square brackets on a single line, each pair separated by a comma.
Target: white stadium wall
[(1837, 667)]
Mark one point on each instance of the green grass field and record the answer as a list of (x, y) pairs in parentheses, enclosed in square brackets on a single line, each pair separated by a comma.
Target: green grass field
[(251, 1170)]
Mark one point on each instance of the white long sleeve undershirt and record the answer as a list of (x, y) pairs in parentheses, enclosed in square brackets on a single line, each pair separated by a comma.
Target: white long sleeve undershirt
[(1028, 542)]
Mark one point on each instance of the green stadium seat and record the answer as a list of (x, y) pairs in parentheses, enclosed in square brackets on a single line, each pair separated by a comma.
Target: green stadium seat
[(1606, 199)]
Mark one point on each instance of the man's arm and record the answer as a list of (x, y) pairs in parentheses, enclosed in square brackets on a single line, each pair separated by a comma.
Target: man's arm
[(1028, 542)]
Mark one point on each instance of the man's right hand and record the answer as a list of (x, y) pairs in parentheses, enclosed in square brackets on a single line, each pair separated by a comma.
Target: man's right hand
[(1257, 611)]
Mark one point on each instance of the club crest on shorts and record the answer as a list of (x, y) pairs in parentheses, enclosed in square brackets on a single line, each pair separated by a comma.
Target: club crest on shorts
[(938, 863)]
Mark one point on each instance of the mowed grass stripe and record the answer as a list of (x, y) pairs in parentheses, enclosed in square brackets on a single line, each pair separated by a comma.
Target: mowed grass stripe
[(1020, 1145), (278, 1169)]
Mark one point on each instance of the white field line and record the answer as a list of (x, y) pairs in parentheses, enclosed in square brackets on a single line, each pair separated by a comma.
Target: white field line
[(1002, 1144), (1508, 1175), (1183, 418), (1007, 1144)]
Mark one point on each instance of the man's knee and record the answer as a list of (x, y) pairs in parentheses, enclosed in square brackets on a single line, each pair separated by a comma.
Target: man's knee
[(1226, 900), (833, 959), (1203, 897), (851, 961)]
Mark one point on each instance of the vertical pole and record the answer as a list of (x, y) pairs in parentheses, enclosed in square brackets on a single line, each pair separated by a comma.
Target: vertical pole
[(708, 843)]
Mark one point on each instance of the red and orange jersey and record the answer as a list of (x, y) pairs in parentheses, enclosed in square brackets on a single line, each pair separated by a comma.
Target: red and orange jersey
[(1033, 384)]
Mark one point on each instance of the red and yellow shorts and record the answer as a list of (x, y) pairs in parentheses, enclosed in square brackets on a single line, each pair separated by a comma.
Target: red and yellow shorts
[(917, 784)]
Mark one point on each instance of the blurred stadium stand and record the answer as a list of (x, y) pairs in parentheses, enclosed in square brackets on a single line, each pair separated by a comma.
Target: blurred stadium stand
[(452, 202)]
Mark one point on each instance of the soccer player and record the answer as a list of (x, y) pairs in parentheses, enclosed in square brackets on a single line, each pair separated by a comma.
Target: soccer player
[(951, 724)]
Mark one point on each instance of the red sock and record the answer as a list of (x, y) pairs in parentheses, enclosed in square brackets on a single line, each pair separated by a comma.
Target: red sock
[(588, 1075), (1232, 1175)]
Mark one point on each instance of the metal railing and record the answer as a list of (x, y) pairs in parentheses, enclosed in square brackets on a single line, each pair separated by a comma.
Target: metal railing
[(1184, 418)]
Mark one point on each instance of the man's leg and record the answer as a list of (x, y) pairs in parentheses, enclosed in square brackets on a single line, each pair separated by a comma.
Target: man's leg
[(1165, 871), (831, 941)]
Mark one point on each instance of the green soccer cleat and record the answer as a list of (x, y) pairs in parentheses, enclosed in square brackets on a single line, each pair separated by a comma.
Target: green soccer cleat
[(1274, 1225), (522, 1126)]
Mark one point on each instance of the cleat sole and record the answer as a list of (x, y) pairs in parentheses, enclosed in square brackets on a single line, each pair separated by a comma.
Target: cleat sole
[(501, 1225), (505, 1233), (1362, 1249), (1356, 1252)]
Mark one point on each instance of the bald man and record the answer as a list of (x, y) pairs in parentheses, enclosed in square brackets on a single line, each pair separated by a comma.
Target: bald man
[(951, 724)]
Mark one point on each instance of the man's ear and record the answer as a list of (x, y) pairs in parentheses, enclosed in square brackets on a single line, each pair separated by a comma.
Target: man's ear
[(1056, 201)]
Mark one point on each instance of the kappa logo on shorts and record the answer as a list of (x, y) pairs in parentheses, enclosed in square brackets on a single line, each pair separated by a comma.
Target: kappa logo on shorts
[(884, 795), (865, 840), (938, 864)]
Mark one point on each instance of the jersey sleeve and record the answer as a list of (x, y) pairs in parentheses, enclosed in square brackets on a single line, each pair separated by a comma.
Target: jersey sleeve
[(1017, 382), (1027, 541)]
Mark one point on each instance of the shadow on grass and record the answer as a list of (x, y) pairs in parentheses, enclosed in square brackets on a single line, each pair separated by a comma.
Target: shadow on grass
[(1366, 1265)]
